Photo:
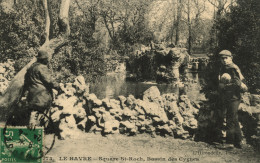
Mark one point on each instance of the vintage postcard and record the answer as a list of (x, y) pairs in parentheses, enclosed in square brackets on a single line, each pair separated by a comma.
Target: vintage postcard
[(119, 81)]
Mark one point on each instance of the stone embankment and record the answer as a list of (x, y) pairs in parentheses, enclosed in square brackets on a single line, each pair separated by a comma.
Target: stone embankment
[(75, 111)]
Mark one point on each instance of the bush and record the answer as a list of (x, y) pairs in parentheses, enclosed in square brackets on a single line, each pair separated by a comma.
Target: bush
[(239, 32), (22, 33)]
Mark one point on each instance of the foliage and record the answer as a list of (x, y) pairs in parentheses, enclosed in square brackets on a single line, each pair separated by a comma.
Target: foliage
[(21, 31), (239, 32), (82, 56), (134, 27), (125, 23), (201, 36), (98, 28)]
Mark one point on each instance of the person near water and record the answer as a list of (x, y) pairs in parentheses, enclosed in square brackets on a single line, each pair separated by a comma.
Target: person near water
[(230, 88), (39, 83)]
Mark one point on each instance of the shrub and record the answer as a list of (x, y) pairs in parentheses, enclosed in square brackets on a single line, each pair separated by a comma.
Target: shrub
[(239, 32)]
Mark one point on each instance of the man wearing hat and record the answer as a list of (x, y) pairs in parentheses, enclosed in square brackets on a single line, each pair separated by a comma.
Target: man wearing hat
[(230, 88), (39, 84)]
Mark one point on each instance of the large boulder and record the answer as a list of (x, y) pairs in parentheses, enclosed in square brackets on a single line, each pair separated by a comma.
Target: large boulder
[(128, 127), (122, 100), (155, 110), (246, 98), (152, 95), (92, 101), (55, 117)]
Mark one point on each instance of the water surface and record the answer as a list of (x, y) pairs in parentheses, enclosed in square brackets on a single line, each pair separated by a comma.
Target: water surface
[(115, 84)]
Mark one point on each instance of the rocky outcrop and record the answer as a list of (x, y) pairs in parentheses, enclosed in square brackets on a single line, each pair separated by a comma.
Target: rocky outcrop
[(158, 62), (249, 116), (210, 127), (76, 111)]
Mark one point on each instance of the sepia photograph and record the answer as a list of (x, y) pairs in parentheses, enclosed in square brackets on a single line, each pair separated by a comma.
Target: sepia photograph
[(130, 81)]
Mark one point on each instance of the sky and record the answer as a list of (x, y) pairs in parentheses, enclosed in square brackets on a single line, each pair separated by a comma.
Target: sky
[(209, 11)]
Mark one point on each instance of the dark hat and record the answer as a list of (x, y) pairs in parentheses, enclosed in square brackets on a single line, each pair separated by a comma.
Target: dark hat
[(225, 53), (42, 54)]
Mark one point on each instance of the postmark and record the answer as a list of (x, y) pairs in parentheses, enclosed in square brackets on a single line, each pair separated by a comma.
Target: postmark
[(27, 143), (21, 144)]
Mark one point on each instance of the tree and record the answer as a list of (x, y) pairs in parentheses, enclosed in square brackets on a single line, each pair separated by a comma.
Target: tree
[(193, 9), (133, 28), (110, 18), (189, 25), (179, 5), (12, 93), (221, 7), (124, 21), (239, 32), (92, 8)]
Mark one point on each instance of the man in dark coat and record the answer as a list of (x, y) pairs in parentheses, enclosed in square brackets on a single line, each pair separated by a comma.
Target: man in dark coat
[(230, 86), (39, 84)]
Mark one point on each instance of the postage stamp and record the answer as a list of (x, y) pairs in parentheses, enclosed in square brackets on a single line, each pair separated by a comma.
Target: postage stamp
[(21, 144)]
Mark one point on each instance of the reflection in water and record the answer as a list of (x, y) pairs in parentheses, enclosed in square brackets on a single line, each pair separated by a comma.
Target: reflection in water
[(114, 85), (195, 76), (193, 90)]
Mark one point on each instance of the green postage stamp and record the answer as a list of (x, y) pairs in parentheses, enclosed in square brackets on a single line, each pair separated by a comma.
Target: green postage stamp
[(21, 144)]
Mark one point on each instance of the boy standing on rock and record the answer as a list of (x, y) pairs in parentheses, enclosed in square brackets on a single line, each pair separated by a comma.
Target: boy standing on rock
[(230, 86)]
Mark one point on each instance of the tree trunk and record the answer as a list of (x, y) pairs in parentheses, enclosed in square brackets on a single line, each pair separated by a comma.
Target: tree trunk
[(47, 21), (14, 90), (64, 29), (189, 24), (64, 26), (179, 15), (173, 23)]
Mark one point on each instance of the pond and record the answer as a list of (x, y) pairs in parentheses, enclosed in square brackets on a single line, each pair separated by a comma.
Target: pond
[(115, 84)]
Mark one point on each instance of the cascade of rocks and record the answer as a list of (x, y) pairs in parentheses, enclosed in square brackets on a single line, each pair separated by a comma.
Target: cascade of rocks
[(76, 111)]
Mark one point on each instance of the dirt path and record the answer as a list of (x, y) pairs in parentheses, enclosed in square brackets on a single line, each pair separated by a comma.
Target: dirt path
[(143, 148)]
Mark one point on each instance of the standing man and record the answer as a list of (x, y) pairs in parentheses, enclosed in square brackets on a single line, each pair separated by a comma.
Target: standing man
[(39, 84), (230, 86)]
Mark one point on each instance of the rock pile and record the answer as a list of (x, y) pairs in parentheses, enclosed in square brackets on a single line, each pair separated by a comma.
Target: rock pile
[(76, 111), (248, 114), (7, 72), (158, 62)]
